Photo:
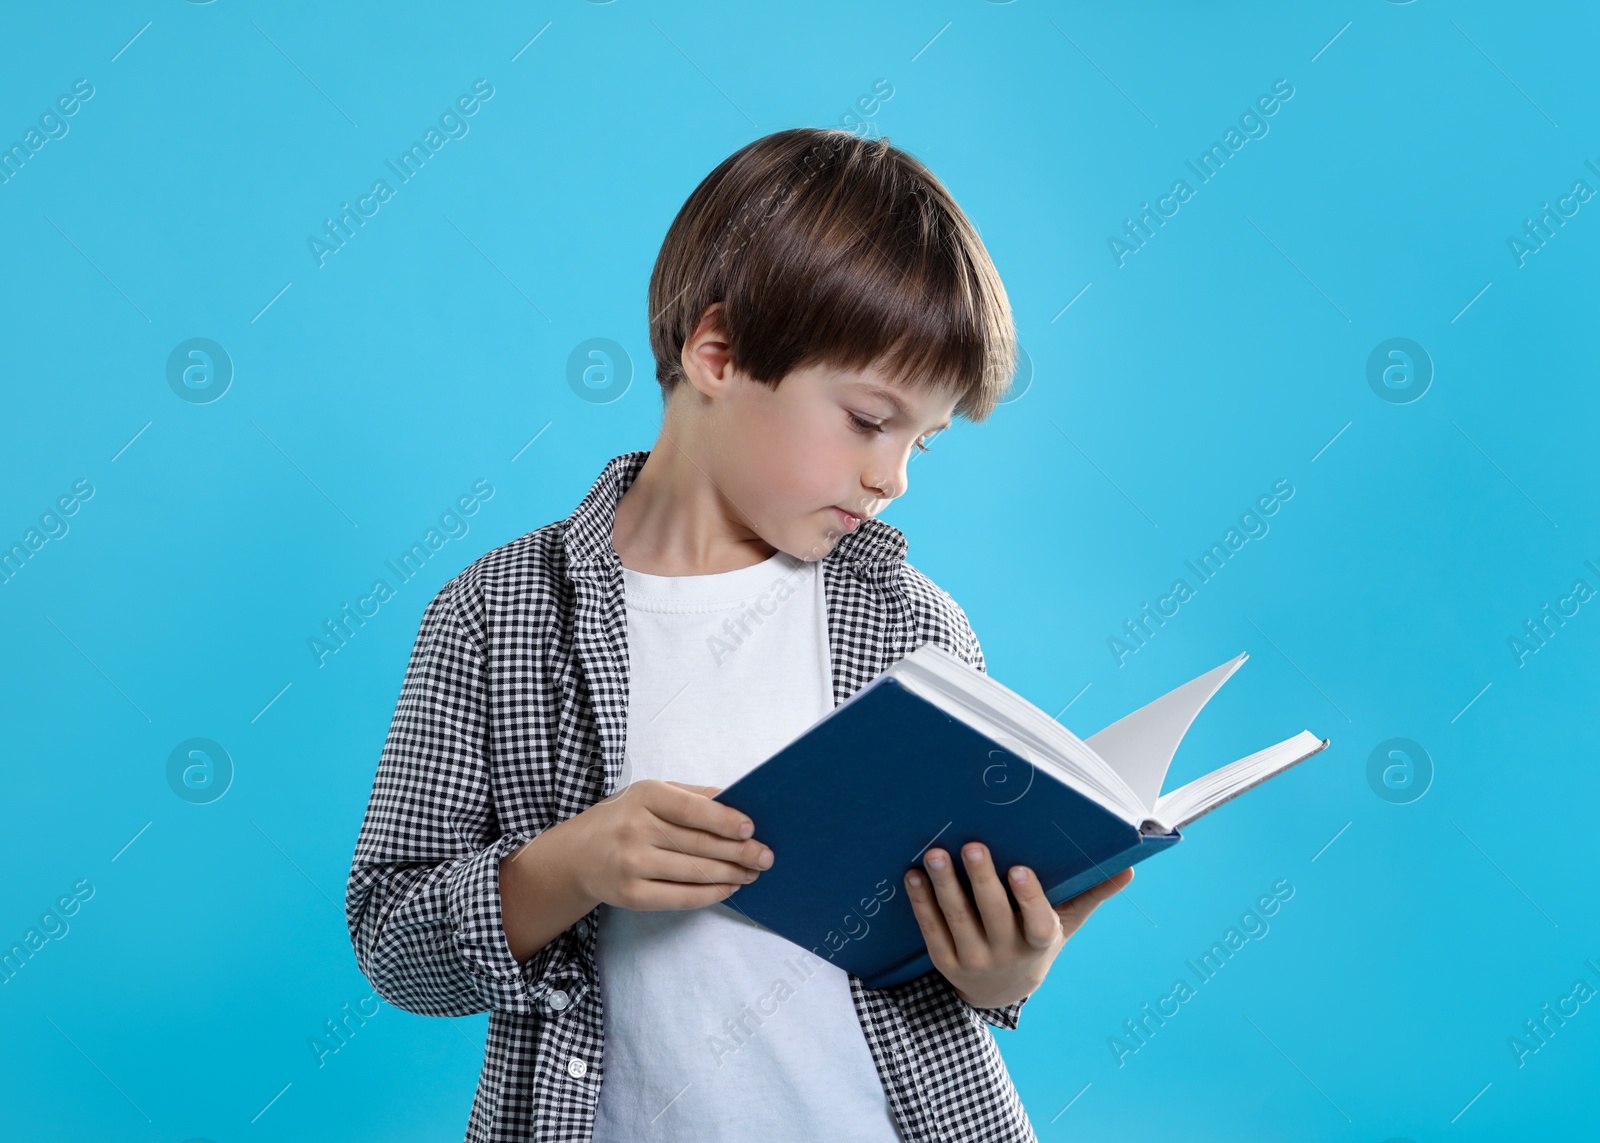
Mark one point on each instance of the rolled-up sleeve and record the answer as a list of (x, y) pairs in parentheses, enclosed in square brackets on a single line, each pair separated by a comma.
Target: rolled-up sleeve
[(1006, 1016), (423, 898)]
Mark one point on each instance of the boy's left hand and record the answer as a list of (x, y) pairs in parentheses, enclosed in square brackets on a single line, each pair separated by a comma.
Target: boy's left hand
[(993, 956)]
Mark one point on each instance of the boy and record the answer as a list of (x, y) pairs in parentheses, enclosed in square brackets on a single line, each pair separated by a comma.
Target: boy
[(542, 841)]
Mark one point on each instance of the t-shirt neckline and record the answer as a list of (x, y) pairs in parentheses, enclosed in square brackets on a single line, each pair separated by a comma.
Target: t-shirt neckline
[(718, 587)]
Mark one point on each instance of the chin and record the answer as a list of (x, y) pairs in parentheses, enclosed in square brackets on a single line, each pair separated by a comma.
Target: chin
[(812, 548), (830, 541)]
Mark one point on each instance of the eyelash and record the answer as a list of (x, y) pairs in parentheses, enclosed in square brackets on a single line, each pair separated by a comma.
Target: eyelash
[(863, 426)]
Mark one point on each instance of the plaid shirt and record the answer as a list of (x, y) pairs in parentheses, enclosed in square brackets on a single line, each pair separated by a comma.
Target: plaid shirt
[(511, 719)]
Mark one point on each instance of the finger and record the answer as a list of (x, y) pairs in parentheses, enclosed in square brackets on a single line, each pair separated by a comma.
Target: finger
[(670, 865), (930, 918), (689, 805), (994, 907), (708, 791), (681, 895), (951, 896), (1041, 924), (1075, 912), (749, 852), (700, 845)]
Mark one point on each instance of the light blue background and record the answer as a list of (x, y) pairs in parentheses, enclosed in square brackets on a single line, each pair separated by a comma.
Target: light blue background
[(1226, 354)]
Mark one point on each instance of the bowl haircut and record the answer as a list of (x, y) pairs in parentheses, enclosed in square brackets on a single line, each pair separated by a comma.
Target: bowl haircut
[(828, 248)]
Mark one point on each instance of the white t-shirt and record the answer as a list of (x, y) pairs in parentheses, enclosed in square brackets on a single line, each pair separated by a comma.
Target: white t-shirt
[(714, 1027)]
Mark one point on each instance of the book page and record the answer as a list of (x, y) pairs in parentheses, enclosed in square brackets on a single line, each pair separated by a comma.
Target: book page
[(1011, 721), (1140, 746), (1204, 794)]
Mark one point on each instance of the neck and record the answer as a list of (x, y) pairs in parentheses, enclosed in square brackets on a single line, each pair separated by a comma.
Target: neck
[(675, 520)]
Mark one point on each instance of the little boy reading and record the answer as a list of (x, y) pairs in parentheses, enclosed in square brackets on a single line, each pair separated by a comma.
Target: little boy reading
[(542, 840)]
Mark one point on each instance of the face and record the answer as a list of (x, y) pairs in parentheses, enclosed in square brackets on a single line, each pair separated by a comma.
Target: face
[(825, 439)]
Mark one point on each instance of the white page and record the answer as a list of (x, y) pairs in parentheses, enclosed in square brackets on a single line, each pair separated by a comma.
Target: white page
[(1140, 746), (1183, 805), (994, 710)]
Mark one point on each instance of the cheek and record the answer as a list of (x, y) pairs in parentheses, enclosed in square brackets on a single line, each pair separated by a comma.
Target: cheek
[(800, 451), (814, 469), (809, 475)]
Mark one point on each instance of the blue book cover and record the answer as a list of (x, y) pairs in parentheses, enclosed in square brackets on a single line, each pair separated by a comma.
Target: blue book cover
[(935, 751)]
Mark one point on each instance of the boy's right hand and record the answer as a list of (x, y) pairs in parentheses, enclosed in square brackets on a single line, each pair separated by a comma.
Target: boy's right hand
[(666, 845)]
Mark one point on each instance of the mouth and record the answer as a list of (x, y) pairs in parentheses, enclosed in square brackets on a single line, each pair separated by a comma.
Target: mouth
[(847, 520)]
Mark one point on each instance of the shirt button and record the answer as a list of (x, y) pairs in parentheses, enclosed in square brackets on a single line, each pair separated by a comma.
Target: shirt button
[(576, 1068), (558, 1000)]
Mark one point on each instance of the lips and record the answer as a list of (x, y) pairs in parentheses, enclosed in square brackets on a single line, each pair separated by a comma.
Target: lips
[(847, 520)]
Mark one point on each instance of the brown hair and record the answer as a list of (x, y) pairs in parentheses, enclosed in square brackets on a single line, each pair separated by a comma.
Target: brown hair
[(825, 247)]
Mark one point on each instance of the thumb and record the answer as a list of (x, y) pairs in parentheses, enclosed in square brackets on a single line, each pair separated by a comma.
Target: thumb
[(1075, 912), (708, 791)]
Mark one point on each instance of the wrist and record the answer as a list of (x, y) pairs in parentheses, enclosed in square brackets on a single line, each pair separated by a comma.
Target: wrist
[(994, 1001), (565, 850), (540, 896)]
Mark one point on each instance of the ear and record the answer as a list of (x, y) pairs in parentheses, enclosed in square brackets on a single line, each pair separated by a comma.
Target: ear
[(705, 360)]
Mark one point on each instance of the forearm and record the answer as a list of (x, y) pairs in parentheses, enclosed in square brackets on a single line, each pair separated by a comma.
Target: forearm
[(540, 894)]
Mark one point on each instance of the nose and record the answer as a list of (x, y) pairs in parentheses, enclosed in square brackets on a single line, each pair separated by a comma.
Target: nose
[(887, 485)]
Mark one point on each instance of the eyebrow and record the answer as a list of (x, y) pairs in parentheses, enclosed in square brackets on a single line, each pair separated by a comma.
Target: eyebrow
[(890, 396)]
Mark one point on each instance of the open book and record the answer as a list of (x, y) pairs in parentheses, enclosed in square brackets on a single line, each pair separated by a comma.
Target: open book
[(1124, 766), (935, 751)]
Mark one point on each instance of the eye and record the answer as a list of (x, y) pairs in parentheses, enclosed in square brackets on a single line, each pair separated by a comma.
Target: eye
[(862, 425)]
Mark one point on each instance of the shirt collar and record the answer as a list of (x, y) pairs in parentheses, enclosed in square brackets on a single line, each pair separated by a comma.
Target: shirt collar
[(872, 545)]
